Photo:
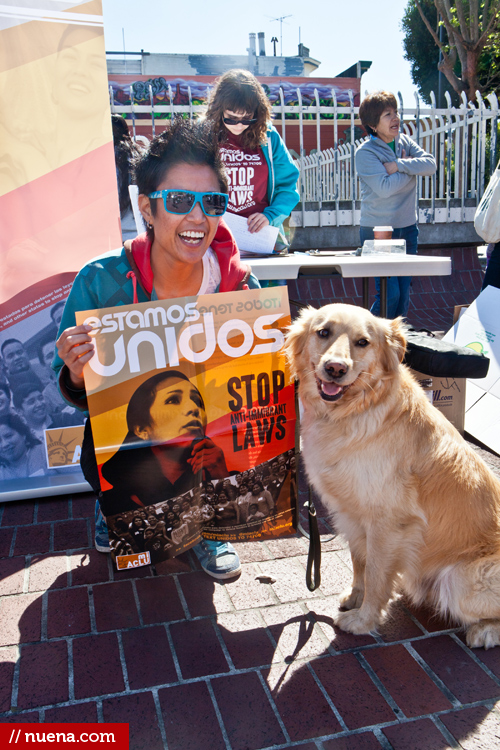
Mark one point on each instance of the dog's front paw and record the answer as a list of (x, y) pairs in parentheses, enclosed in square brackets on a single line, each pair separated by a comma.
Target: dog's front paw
[(484, 634), (355, 622), (351, 599)]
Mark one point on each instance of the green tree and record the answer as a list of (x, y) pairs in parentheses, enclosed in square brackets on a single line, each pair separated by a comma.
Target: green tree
[(469, 42), (422, 53)]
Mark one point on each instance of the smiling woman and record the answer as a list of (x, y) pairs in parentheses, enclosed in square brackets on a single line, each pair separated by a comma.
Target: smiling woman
[(186, 251), (21, 454)]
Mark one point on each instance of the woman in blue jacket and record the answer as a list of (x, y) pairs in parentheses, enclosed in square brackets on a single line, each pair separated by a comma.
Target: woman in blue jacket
[(261, 173), (388, 164)]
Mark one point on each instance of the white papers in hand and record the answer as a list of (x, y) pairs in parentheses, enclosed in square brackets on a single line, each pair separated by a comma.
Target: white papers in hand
[(261, 243)]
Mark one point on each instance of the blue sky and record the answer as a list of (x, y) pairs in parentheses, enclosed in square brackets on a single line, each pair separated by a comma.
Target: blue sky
[(337, 33)]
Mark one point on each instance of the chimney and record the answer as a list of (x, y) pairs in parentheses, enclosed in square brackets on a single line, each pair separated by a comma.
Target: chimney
[(262, 44), (251, 49)]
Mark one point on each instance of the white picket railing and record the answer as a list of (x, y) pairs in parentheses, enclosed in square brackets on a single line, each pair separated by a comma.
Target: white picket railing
[(462, 139), (459, 138)]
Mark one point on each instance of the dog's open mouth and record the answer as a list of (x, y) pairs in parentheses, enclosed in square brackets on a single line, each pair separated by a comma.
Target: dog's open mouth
[(331, 391)]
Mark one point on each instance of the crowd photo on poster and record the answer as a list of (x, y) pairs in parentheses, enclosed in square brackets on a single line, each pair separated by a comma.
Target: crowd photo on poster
[(36, 435), (240, 504)]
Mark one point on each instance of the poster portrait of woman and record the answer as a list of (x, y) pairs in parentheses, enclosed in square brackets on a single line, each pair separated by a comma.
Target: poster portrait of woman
[(166, 451)]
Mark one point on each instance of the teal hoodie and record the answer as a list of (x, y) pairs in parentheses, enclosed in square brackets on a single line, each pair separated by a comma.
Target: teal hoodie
[(282, 192)]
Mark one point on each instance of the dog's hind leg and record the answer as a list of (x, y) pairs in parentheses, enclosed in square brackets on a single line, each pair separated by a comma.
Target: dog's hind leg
[(470, 593), (353, 597), (484, 634), (484, 602)]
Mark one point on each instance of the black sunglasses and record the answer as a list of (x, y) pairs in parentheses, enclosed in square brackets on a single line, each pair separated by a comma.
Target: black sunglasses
[(233, 121)]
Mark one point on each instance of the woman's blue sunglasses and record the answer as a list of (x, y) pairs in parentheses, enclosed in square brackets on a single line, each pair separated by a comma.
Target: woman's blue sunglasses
[(183, 201)]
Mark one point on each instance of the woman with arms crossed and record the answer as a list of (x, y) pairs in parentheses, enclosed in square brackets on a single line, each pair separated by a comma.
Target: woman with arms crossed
[(387, 165)]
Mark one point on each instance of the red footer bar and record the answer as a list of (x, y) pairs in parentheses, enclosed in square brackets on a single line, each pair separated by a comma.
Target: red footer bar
[(113, 736)]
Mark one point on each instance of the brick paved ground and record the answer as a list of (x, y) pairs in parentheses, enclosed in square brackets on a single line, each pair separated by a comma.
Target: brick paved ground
[(196, 665)]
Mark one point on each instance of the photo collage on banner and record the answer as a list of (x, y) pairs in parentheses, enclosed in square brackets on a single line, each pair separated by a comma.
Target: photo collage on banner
[(40, 435), (193, 417), (58, 209)]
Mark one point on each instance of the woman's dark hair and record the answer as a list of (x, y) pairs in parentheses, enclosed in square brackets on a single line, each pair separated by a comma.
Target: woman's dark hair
[(21, 393), (54, 309), (126, 152), (15, 422), (231, 491), (139, 408), (183, 142), (240, 91), (372, 107), (257, 481), (42, 343), (219, 486)]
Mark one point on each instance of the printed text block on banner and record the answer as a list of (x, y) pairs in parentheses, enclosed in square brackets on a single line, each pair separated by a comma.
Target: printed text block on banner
[(193, 416)]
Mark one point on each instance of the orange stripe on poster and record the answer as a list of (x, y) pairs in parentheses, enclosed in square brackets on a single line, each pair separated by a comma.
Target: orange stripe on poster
[(64, 246), (46, 201)]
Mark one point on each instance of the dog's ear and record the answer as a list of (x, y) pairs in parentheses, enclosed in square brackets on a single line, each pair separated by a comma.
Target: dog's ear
[(396, 344), (398, 339), (296, 338)]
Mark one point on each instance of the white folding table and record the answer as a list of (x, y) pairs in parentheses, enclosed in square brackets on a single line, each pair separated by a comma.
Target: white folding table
[(322, 264)]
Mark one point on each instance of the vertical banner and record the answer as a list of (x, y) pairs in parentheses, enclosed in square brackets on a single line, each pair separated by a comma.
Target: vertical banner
[(58, 209), (193, 418)]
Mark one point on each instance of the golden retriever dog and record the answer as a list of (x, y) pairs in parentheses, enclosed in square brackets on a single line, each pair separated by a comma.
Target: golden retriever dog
[(419, 508)]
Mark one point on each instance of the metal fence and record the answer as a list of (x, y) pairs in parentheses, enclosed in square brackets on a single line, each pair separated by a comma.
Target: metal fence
[(462, 139)]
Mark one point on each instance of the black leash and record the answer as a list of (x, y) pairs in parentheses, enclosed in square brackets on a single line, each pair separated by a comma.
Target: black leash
[(314, 555)]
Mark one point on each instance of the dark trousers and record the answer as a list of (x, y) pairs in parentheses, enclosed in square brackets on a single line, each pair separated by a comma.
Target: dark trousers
[(88, 462), (398, 287)]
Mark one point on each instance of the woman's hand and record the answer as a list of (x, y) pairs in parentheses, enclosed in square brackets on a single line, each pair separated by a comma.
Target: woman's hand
[(208, 456), (75, 347), (256, 222), (391, 167)]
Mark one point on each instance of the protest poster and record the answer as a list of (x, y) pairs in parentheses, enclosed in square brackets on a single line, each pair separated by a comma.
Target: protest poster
[(58, 209), (193, 417)]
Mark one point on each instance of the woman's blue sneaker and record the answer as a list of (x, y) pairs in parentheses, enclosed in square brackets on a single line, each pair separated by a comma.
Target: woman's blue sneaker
[(101, 530), (218, 559)]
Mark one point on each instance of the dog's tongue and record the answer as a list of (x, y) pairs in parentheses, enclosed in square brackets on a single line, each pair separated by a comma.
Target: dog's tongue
[(330, 388)]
